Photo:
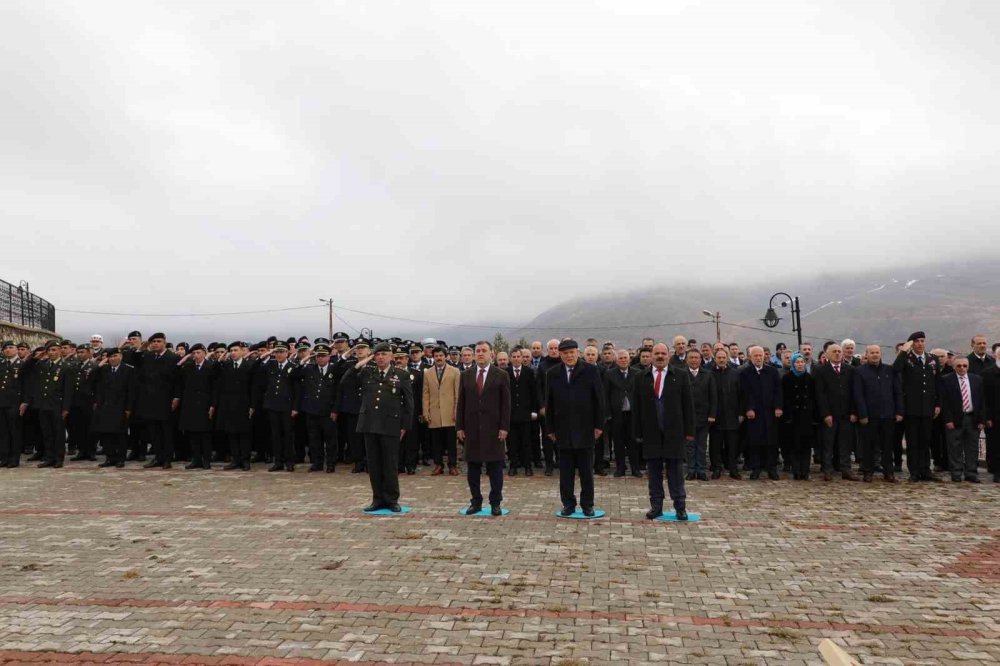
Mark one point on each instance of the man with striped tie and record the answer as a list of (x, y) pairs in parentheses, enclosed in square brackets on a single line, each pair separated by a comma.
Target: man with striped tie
[(963, 409)]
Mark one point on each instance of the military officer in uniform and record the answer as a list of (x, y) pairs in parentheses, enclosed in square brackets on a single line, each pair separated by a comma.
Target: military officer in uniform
[(82, 406), (348, 404), (114, 399), (50, 399), (317, 392), (10, 406), (918, 374), (232, 401), (278, 397), (386, 411)]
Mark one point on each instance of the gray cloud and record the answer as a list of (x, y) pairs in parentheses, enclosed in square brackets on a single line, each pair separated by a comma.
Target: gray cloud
[(482, 161)]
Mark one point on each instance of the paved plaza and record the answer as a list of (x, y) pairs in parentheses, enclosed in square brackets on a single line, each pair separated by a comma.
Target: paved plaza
[(140, 566)]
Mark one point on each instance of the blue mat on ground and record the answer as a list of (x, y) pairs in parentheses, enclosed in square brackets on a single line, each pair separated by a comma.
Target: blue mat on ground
[(386, 512), (483, 512), (672, 518), (578, 515)]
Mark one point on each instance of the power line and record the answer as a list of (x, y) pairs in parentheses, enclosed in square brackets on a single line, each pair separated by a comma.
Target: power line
[(190, 314)]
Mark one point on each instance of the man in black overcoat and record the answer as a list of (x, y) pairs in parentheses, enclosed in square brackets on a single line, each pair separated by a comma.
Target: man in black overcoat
[(761, 397), (193, 396), (232, 402), (156, 373), (114, 400)]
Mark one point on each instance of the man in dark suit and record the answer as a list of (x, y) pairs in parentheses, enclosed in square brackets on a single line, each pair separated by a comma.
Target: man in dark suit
[(878, 402), (193, 396), (277, 395), (232, 402), (963, 409), (482, 421), (918, 374), (574, 419), (156, 373), (618, 386), (979, 358), (114, 400), (724, 433), (705, 408), (662, 423), (316, 393), (991, 388), (834, 388), (386, 411), (549, 361), (760, 396), (523, 412)]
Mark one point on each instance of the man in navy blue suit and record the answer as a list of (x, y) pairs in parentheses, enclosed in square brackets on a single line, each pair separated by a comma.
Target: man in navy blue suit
[(760, 390)]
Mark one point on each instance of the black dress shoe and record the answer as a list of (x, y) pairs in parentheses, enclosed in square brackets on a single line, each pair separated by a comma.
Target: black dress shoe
[(276, 467), (567, 511), (330, 469), (358, 468), (754, 475), (374, 506), (689, 477), (206, 465), (495, 510), (12, 465), (57, 465), (716, 474), (151, 463), (78, 458), (473, 509), (35, 457), (702, 476), (601, 472), (45, 464), (232, 466), (773, 475), (3, 463), (528, 471), (736, 476), (589, 512), (681, 514), (246, 467), (548, 471), (167, 465), (395, 508), (106, 463), (315, 468), (637, 474), (193, 465), (290, 467), (973, 479), (410, 471), (119, 464), (619, 473), (653, 514)]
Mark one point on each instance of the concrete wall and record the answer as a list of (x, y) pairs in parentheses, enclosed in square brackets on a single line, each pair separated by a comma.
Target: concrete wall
[(33, 336)]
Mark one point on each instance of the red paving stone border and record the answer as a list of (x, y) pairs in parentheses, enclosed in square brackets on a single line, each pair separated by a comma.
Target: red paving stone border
[(344, 607)]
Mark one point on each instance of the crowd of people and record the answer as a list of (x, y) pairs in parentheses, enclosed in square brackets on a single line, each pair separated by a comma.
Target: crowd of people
[(689, 411)]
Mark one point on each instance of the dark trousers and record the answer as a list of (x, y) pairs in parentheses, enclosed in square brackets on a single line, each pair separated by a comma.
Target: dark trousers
[(939, 446), (161, 434), (625, 447), (114, 445), (535, 433), (220, 446), (519, 444), (494, 469), (877, 439), (696, 450), (409, 449), (549, 454), (301, 431), (383, 459), (261, 435), (762, 455), (571, 462), (31, 431), (993, 447), (838, 440), (424, 441), (282, 437), (897, 445), (324, 446), (10, 435), (600, 459), (138, 439), (675, 482), (723, 447), (918, 443), (347, 426), (239, 447), (963, 449), (53, 435), (801, 437), (443, 443), (201, 447), (78, 425)]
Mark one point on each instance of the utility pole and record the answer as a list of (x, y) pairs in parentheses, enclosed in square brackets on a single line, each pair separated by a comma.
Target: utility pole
[(715, 317), (329, 304)]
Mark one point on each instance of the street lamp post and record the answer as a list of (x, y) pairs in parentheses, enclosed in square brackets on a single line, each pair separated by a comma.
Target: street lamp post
[(329, 303), (715, 318), (771, 318)]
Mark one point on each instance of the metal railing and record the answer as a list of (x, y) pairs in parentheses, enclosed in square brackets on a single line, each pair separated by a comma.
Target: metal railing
[(19, 306)]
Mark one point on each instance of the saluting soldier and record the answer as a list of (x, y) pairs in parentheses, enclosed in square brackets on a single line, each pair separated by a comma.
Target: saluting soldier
[(81, 407), (10, 406), (232, 400), (49, 399), (193, 396), (114, 400), (386, 411), (278, 397), (918, 374), (317, 392), (155, 377)]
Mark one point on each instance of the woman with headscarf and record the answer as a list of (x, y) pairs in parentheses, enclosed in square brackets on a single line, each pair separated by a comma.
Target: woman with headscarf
[(799, 392)]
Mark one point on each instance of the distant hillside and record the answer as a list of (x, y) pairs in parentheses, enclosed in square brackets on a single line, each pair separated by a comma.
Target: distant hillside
[(949, 302)]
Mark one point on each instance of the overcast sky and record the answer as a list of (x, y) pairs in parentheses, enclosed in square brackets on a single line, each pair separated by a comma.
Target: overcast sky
[(464, 161)]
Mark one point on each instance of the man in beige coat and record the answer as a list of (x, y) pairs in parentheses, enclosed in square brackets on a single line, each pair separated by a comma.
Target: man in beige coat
[(440, 402)]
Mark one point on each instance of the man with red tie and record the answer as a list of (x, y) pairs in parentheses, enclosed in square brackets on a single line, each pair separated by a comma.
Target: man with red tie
[(963, 409), (482, 419)]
